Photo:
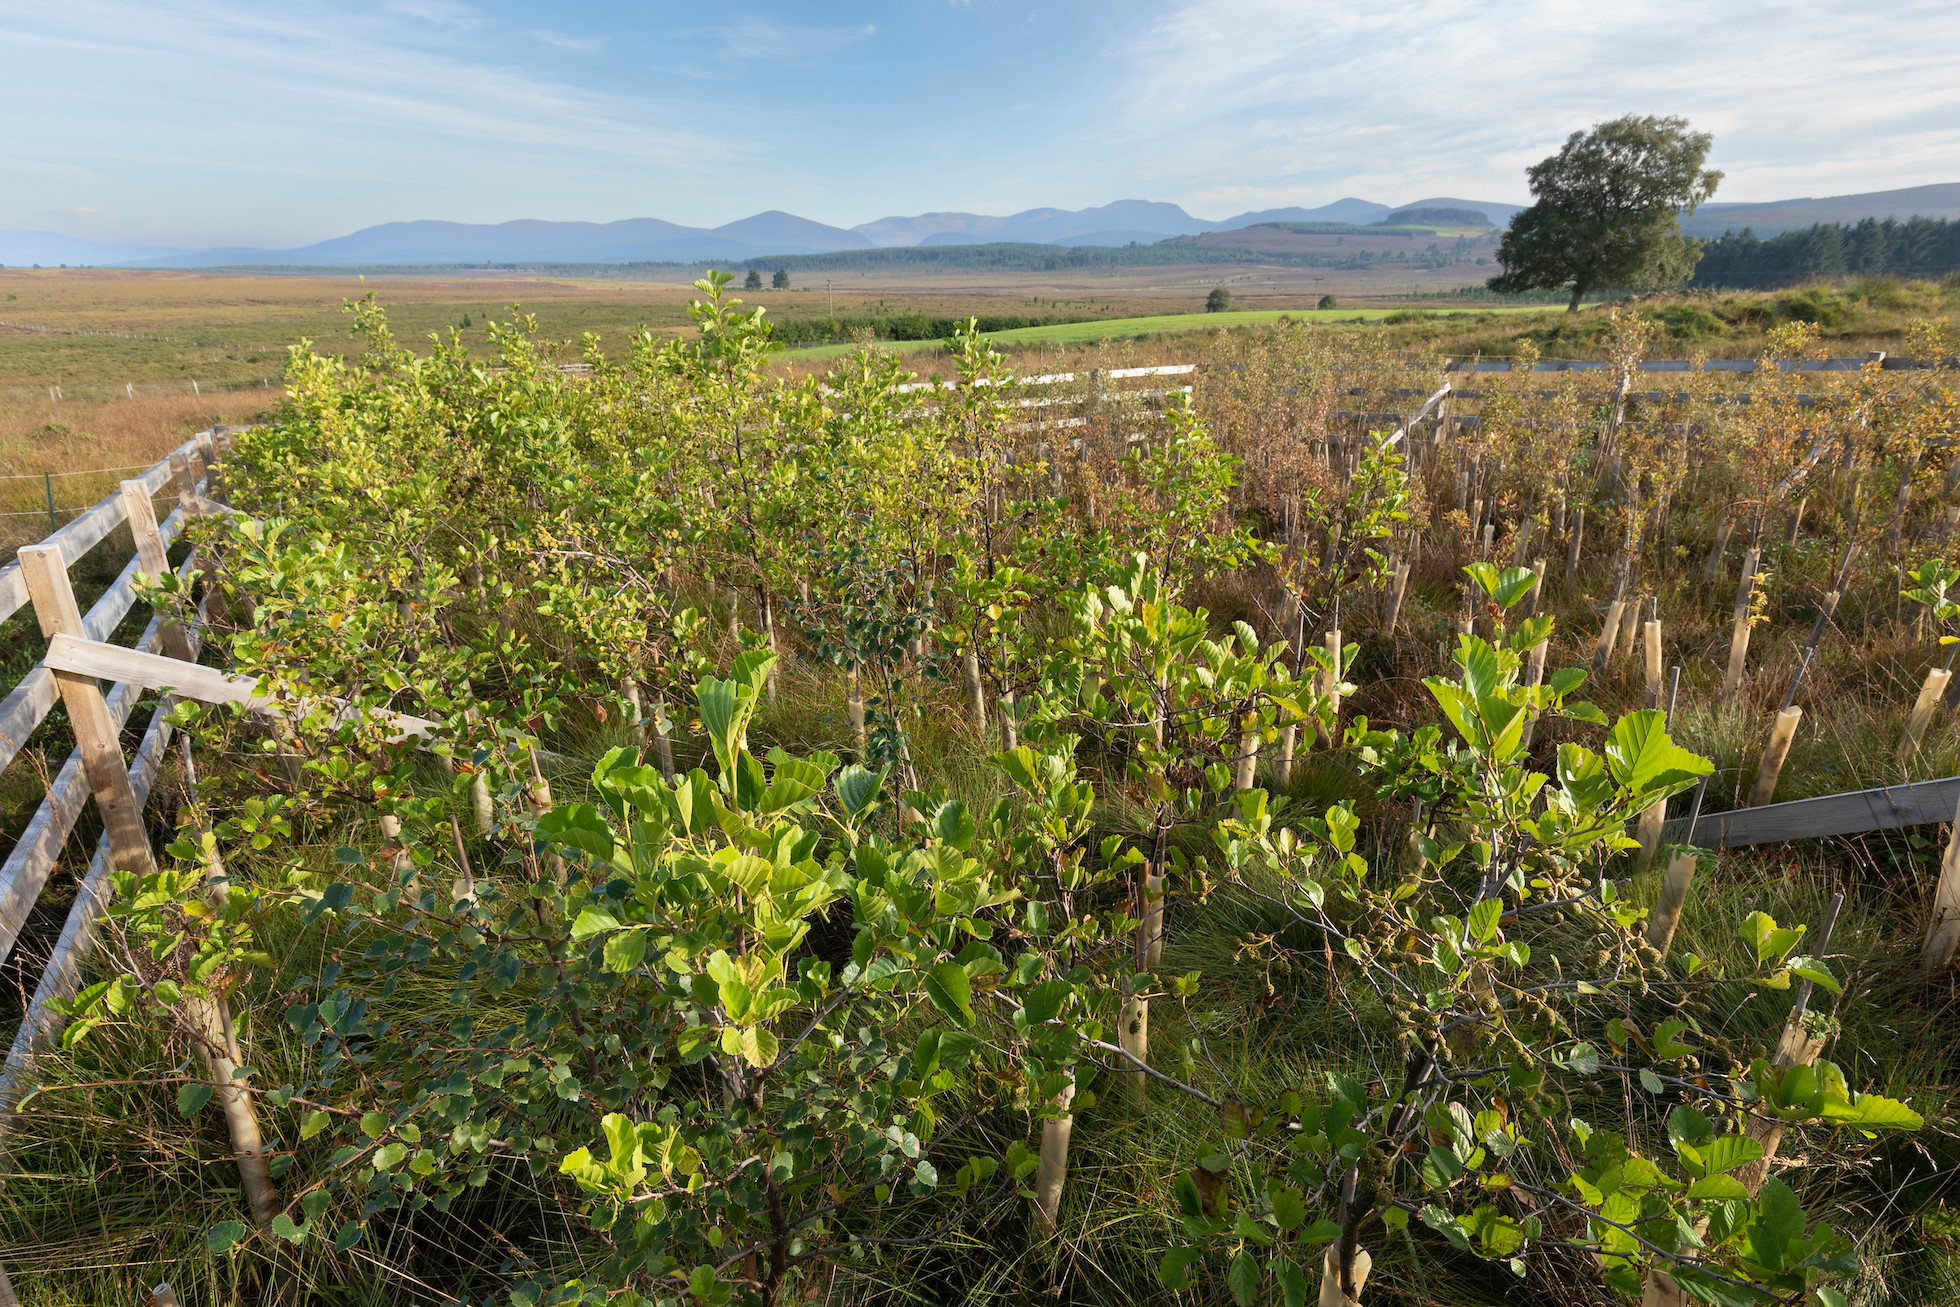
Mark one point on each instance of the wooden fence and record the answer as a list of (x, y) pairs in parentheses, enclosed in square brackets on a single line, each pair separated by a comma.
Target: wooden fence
[(97, 766)]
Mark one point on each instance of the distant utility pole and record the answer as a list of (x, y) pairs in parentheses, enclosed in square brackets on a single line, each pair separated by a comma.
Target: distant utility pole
[(830, 301)]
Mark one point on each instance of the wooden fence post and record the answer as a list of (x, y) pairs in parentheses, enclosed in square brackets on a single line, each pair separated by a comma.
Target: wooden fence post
[(96, 734), (153, 561)]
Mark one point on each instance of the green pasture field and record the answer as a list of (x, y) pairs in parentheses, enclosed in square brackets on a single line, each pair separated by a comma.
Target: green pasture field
[(1172, 324)]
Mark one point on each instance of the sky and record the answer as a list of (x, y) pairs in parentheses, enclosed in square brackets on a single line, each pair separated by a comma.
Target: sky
[(280, 122)]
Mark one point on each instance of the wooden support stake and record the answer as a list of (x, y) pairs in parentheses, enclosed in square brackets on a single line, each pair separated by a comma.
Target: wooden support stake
[(1943, 931), (1537, 589), (95, 729), (1930, 695), (1781, 733)]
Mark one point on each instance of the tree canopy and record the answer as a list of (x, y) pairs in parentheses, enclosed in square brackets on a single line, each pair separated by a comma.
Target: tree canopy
[(1608, 210)]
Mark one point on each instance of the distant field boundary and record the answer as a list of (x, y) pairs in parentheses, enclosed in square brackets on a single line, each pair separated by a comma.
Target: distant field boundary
[(1172, 324)]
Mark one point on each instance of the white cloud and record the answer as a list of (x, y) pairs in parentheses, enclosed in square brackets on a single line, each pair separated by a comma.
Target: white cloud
[(575, 44), (753, 38), (330, 67), (1253, 103)]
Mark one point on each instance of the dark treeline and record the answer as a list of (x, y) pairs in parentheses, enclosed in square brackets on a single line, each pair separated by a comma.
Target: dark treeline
[(1019, 256), (1917, 247)]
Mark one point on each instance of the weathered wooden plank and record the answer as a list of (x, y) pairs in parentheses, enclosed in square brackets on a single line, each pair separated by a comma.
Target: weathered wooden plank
[(61, 978), (204, 684), (30, 700), (33, 855), (84, 533), (96, 735), (1886, 808)]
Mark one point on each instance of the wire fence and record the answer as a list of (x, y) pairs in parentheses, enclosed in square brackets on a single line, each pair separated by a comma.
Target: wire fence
[(102, 391)]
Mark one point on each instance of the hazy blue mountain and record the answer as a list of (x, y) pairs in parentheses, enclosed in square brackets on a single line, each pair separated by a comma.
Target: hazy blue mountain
[(776, 232), (1941, 200), (1148, 220), (530, 240), (20, 249), (791, 233), (1347, 210), (1500, 214)]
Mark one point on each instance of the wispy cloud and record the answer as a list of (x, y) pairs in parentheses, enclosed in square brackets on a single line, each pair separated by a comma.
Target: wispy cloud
[(1256, 102), (575, 44), (754, 38), (364, 70)]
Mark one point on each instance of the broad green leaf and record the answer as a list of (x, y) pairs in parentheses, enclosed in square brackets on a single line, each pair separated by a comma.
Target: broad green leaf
[(951, 991), (223, 1235)]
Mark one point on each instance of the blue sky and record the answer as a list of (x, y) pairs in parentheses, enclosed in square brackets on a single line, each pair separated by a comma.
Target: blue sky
[(199, 122)]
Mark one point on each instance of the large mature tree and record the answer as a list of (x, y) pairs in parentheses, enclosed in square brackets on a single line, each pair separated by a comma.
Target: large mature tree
[(1609, 209)]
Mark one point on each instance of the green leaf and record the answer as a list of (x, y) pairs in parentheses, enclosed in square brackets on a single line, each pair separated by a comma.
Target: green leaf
[(1242, 1277), (1728, 1152), (1483, 920), (1292, 1283), (223, 1235), (1174, 1271), (951, 991), (1044, 1000), (315, 1122), (591, 922), (282, 1225), (192, 1098), (1644, 760), (1289, 1207), (1720, 1187)]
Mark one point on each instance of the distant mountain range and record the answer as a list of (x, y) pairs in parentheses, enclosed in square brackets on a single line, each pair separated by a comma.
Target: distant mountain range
[(1937, 201), (652, 240)]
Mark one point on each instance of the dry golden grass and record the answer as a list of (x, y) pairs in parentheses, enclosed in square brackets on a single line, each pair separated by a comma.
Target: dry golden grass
[(90, 447)]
